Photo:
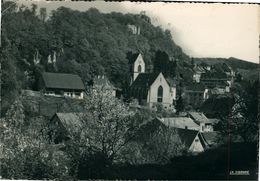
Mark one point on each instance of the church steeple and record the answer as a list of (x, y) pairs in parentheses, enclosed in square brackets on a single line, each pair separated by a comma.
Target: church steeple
[(137, 66)]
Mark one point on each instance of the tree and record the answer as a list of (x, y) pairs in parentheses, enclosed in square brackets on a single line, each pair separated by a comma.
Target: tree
[(179, 104), (242, 121), (108, 120), (25, 153)]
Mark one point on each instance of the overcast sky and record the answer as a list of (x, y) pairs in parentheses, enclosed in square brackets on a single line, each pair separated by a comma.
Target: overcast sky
[(202, 30)]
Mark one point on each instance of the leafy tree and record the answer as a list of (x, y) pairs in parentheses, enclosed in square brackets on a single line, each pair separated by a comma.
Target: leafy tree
[(242, 121), (25, 153), (108, 122), (179, 104)]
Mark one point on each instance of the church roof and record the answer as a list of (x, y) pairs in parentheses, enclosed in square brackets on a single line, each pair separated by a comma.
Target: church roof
[(62, 81), (140, 86), (133, 58)]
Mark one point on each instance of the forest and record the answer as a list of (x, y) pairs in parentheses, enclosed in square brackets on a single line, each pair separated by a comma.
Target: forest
[(92, 43), (85, 43)]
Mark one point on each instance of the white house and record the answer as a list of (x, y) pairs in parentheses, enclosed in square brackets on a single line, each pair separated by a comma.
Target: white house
[(62, 85), (205, 124)]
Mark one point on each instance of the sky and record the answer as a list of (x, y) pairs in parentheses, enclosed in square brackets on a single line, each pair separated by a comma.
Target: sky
[(202, 30)]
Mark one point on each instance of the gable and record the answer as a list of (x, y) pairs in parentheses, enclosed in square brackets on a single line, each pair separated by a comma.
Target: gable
[(197, 145), (160, 80), (187, 136)]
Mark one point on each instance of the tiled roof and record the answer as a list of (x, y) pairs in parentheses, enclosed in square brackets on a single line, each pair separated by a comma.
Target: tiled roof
[(186, 136), (213, 120), (140, 86), (62, 81), (213, 75), (71, 120), (210, 137), (180, 122), (199, 69), (199, 117), (195, 86)]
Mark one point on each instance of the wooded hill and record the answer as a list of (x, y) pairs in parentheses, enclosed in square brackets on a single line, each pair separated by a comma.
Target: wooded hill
[(84, 43)]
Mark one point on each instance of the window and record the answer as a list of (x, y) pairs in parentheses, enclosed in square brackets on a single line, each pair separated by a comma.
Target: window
[(139, 69), (160, 94)]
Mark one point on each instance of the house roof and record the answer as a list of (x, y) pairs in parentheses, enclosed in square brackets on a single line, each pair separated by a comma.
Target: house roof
[(140, 86), (187, 136), (213, 75), (210, 137), (199, 117), (217, 91), (62, 81), (180, 122), (71, 120), (192, 86), (199, 69), (214, 120), (133, 58)]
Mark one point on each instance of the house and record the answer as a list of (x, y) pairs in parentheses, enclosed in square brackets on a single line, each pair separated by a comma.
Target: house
[(205, 124), (149, 88), (193, 140), (195, 93), (215, 79), (63, 125), (102, 83), (152, 89), (180, 122), (62, 85), (198, 70)]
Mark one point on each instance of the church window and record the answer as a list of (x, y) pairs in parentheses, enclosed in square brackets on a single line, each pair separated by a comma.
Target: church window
[(160, 94), (139, 69)]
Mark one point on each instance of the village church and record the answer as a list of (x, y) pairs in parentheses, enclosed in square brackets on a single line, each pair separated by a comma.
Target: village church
[(150, 89)]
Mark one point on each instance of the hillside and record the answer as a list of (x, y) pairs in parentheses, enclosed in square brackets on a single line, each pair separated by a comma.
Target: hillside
[(86, 43), (233, 62)]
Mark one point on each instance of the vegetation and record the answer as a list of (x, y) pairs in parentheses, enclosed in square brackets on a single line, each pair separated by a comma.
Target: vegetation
[(113, 141), (95, 43)]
